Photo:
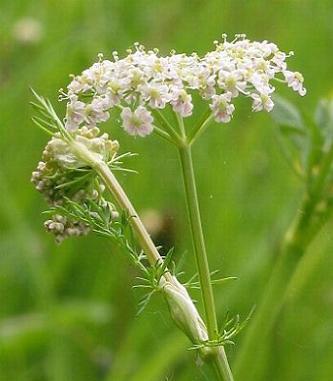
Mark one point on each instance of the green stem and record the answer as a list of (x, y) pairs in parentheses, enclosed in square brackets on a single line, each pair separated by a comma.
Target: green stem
[(220, 360), (221, 366), (208, 118), (163, 134), (198, 241), (167, 126)]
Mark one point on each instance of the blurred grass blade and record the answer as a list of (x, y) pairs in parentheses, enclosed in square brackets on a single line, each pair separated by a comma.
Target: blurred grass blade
[(293, 134), (156, 366), (324, 119)]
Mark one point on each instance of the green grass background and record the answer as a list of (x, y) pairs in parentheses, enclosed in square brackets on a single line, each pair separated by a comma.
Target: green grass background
[(68, 312)]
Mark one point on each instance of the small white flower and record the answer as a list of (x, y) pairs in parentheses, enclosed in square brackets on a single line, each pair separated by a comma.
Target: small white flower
[(207, 87), (269, 48), (97, 76), (138, 122), (157, 95), (295, 81), (75, 86), (222, 108), (95, 111), (261, 102), (75, 113), (182, 103), (136, 77), (232, 82), (279, 60), (116, 89), (261, 83)]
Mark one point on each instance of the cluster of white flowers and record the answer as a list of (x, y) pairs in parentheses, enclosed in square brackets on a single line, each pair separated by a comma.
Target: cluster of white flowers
[(144, 81)]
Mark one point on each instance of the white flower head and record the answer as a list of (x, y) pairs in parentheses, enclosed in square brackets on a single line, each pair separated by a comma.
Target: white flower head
[(151, 81), (138, 122)]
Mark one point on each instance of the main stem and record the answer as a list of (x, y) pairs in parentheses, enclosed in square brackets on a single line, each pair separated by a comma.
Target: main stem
[(198, 242), (220, 360)]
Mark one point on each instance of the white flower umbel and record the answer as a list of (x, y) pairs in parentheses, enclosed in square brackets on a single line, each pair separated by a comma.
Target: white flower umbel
[(144, 84), (145, 80)]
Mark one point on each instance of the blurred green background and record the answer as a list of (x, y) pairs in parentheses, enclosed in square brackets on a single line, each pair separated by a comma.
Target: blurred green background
[(68, 312)]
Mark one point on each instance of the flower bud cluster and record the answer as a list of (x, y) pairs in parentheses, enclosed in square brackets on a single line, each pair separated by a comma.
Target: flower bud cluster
[(61, 176), (63, 227), (145, 81)]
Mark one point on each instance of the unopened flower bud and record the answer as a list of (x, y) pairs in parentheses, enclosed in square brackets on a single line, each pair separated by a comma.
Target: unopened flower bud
[(183, 311)]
